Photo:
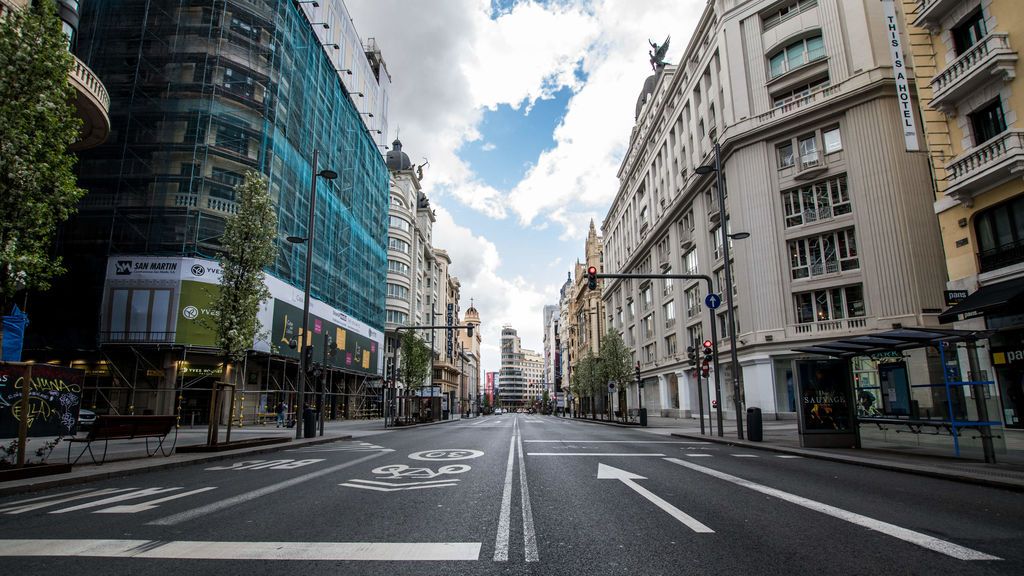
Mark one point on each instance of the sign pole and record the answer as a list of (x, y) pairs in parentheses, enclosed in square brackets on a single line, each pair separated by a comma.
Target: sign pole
[(26, 388)]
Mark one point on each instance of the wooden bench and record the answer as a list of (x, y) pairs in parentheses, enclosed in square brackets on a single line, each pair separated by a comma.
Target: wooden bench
[(107, 428), (917, 426)]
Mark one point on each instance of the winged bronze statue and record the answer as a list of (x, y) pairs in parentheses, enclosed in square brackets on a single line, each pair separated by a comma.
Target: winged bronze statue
[(658, 53)]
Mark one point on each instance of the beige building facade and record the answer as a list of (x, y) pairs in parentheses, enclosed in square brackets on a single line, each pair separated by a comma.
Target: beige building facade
[(801, 95), (965, 55)]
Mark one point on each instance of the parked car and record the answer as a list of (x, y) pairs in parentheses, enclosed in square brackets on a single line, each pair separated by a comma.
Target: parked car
[(86, 418), (498, 411)]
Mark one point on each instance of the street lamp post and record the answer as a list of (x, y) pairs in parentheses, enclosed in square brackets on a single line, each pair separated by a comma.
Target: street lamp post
[(308, 241), (733, 355)]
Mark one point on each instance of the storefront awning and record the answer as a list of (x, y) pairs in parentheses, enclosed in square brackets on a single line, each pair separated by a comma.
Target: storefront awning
[(891, 340), (1009, 294)]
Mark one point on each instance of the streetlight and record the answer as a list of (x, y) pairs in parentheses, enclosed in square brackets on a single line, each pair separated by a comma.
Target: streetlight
[(308, 241), (734, 358)]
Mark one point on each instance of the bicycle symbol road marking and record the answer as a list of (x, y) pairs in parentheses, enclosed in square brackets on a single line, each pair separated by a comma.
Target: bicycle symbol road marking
[(396, 471), (445, 455)]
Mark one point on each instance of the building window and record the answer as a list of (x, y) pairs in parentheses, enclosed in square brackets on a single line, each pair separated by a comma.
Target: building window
[(723, 323), (644, 221), (649, 353), (804, 90), (829, 304), (647, 327), (969, 32), (398, 267), (808, 152), (670, 313), (690, 262), (785, 12), (693, 302), (785, 152), (398, 245), (696, 335), (1000, 233), (824, 254), (670, 345), (400, 224), (398, 291), (833, 140), (821, 200), (646, 297), (630, 340), (396, 317), (988, 122), (796, 55), (630, 311)]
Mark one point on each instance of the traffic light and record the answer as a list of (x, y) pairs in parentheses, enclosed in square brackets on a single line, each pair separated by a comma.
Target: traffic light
[(592, 277), (709, 353), (691, 354), (308, 351)]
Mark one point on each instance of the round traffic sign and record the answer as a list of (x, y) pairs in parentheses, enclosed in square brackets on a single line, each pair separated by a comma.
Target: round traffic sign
[(713, 301)]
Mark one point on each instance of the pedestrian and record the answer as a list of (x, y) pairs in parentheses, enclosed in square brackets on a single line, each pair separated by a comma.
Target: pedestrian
[(281, 409)]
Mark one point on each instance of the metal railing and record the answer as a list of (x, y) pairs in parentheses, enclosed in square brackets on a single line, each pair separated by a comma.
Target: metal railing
[(1001, 256), (117, 337), (974, 161), (969, 61)]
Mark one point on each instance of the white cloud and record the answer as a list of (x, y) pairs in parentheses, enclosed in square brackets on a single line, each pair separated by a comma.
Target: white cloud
[(451, 61), (488, 146)]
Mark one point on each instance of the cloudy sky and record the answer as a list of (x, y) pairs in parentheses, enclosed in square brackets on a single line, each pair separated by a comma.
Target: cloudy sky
[(523, 110)]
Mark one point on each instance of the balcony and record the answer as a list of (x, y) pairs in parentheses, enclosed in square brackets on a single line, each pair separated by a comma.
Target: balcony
[(825, 326), (93, 105), (686, 238), (714, 211), (930, 13), (1001, 256), (991, 57), (144, 337), (985, 166)]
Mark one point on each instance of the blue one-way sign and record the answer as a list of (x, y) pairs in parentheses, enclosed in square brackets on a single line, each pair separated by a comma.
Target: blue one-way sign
[(713, 301)]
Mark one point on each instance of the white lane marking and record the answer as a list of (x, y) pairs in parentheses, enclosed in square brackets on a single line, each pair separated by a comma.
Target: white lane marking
[(628, 478), (923, 540), (378, 489), (120, 497), (616, 441), (787, 456), (144, 506), (585, 454), (23, 506), (255, 494), (744, 456), (501, 541), (529, 536), (697, 455), (191, 550)]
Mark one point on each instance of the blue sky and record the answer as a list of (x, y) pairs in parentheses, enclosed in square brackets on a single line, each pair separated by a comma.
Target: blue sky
[(524, 109)]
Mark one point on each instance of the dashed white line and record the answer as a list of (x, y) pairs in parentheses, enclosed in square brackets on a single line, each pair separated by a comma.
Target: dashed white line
[(501, 541)]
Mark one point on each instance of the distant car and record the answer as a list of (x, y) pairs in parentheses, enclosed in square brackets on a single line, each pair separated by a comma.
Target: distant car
[(498, 411), (86, 418)]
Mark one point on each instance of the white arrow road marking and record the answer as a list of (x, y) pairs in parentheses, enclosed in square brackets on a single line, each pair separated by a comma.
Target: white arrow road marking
[(185, 550), (605, 472), (120, 497), (23, 506), (144, 506), (923, 540)]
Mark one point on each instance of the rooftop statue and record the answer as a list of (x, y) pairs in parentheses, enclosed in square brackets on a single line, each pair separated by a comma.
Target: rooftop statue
[(658, 53)]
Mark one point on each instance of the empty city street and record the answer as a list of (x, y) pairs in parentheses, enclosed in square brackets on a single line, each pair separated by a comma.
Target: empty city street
[(516, 493)]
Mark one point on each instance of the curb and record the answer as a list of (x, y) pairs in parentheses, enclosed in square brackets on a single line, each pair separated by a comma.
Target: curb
[(964, 477), (607, 423), (435, 423), (138, 466)]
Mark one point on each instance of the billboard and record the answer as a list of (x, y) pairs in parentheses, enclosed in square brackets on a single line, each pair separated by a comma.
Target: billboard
[(354, 351)]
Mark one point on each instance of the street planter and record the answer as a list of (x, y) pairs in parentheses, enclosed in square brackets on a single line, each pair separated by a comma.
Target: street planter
[(9, 472)]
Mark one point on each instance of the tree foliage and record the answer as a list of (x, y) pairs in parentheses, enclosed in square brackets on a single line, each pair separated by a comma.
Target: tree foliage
[(414, 365), (38, 190), (616, 359), (248, 244)]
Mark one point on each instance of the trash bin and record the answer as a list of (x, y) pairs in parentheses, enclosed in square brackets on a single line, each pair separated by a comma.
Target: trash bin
[(755, 430), (308, 423), (643, 416)]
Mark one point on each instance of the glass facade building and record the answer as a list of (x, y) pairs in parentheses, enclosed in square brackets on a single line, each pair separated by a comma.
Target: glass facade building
[(206, 90)]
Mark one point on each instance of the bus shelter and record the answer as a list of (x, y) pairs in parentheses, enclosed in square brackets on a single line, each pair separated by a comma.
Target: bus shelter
[(913, 387)]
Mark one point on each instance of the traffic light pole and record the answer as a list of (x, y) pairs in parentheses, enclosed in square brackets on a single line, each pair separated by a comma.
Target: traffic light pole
[(714, 330)]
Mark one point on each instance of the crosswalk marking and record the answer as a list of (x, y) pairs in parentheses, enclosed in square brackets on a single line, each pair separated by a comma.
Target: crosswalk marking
[(43, 502), (144, 506)]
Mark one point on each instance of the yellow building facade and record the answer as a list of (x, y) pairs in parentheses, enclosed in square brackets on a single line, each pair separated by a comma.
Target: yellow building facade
[(965, 55)]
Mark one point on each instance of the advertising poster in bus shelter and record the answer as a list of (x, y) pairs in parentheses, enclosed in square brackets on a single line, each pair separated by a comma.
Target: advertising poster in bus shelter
[(55, 396), (826, 403)]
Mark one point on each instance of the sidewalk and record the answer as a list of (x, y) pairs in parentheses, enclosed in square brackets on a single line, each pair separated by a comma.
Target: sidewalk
[(783, 436), (127, 457)]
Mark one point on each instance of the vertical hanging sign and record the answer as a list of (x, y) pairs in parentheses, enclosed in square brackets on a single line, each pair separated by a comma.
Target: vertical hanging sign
[(450, 321), (899, 68)]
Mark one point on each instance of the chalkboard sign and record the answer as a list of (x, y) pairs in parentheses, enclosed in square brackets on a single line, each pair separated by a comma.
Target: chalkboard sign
[(55, 396)]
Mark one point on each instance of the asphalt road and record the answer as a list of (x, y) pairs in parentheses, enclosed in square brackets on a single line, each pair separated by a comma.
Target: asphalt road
[(515, 494)]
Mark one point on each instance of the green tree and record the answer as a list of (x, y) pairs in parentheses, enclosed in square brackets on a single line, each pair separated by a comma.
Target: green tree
[(38, 190), (414, 365), (248, 247), (588, 378), (616, 360)]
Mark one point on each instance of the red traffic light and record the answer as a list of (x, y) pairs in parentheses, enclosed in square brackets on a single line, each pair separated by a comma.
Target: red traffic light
[(592, 270), (707, 343)]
